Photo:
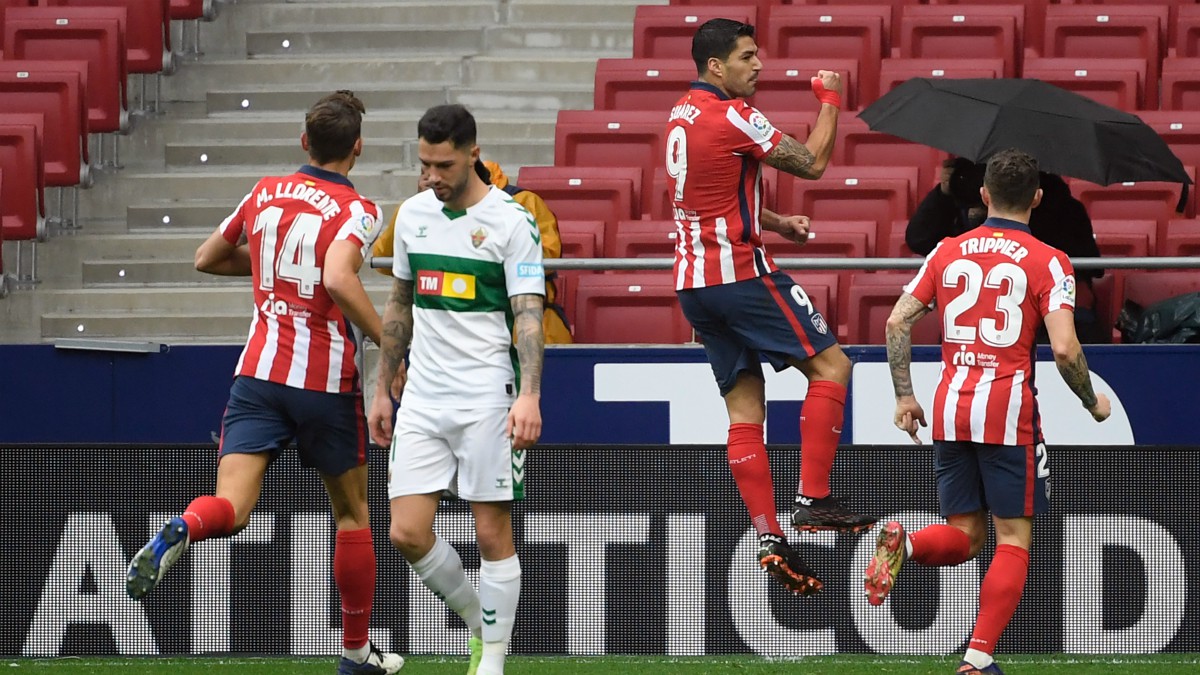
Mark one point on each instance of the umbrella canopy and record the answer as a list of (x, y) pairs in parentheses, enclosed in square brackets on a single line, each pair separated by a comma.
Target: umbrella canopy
[(1069, 134)]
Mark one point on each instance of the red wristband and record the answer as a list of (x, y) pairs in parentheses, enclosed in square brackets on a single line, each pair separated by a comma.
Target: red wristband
[(825, 95)]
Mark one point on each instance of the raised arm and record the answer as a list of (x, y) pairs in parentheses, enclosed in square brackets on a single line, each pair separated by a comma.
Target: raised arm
[(809, 159)]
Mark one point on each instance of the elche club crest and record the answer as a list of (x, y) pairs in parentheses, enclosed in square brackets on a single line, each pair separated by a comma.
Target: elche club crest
[(478, 236)]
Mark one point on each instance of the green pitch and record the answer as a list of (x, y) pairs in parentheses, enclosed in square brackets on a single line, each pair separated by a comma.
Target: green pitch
[(1025, 664)]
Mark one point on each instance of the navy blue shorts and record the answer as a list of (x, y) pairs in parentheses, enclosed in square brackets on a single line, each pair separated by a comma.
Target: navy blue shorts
[(330, 430), (1010, 481), (769, 316)]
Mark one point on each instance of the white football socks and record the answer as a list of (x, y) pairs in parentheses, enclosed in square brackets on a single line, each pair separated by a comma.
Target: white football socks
[(499, 591), (979, 659), (441, 570)]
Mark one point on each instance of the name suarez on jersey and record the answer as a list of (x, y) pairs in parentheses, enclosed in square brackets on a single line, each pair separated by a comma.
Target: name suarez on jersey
[(304, 192), (685, 111)]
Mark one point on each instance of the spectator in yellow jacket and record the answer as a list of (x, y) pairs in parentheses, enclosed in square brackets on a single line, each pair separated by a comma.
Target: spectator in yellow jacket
[(554, 320)]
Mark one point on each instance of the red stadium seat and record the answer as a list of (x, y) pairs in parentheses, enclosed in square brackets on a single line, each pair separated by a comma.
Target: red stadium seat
[(642, 84), (4, 4), (829, 239), (1108, 32), (794, 124), (188, 10), (22, 198), (1182, 238), (856, 145), (612, 138), (666, 32), (1180, 129), (836, 32), (1181, 84), (1169, 19), (582, 238), (897, 247), (610, 194), (956, 32), (1035, 18), (783, 84), (1147, 288), (871, 297), (147, 32), (93, 35), (645, 239), (892, 16), (1125, 238), (1114, 82), (893, 72), (53, 89), (881, 194), (629, 308), (1187, 31), (1131, 201), (761, 8)]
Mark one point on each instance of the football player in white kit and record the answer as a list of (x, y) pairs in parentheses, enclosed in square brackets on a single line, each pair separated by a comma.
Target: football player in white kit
[(468, 276)]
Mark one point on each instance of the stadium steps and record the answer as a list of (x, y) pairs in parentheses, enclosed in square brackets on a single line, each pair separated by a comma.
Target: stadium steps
[(514, 62)]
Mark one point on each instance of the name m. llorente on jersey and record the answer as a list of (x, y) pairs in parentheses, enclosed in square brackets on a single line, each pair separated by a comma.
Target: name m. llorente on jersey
[(465, 266)]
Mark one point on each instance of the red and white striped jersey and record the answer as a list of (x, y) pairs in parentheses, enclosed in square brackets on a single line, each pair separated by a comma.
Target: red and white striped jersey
[(299, 337), (992, 287), (714, 148)]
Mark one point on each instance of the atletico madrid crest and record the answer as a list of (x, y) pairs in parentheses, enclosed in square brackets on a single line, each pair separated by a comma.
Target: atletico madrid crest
[(478, 236)]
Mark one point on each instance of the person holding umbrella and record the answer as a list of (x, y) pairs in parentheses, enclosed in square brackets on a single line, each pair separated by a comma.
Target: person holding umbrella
[(994, 285), (741, 306), (1059, 220)]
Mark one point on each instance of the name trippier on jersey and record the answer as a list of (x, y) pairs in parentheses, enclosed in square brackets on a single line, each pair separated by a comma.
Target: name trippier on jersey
[(999, 245), (305, 192)]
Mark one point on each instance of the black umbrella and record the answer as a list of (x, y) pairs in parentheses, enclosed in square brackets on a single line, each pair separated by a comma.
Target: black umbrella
[(1069, 134)]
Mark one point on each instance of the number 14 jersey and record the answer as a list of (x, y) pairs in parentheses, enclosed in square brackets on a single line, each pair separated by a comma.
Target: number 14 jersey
[(299, 336), (993, 285)]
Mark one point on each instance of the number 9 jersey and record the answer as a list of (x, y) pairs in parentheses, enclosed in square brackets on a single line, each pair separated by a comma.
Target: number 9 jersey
[(299, 336), (993, 285), (714, 148)]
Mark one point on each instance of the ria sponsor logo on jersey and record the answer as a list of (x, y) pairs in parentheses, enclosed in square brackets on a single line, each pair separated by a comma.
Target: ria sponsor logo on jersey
[(275, 307), (996, 243), (446, 284), (982, 359)]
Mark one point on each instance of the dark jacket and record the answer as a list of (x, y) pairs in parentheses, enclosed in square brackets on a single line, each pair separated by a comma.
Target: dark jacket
[(1060, 221)]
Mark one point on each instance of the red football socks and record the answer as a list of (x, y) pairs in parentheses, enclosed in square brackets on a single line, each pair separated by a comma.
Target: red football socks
[(821, 418), (752, 472), (999, 595), (940, 546), (354, 574), (208, 517)]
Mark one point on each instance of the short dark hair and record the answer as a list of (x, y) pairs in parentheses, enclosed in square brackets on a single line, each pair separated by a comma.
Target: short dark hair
[(717, 38), (333, 125), (1012, 180), (451, 122)]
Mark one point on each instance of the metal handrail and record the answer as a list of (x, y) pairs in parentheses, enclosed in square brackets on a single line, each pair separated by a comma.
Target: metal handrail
[(865, 264)]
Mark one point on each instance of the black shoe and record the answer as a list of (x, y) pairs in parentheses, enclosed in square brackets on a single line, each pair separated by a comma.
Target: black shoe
[(781, 562), (377, 663), (828, 513)]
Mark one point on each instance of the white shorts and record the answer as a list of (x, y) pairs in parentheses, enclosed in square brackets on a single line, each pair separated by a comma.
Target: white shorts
[(463, 451)]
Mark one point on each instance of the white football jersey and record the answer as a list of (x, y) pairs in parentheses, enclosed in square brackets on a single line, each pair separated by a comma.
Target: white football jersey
[(465, 266)]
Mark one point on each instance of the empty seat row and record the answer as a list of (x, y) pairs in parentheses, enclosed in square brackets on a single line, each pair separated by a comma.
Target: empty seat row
[(641, 307), (939, 31)]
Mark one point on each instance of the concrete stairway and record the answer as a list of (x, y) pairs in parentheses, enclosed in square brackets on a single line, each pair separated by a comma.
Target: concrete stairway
[(236, 113)]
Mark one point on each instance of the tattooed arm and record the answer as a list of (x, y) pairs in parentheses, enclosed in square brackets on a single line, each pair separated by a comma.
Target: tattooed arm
[(527, 325), (909, 414), (525, 416), (397, 333), (908, 311), (1072, 364)]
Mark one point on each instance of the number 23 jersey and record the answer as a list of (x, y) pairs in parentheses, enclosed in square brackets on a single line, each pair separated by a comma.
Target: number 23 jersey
[(299, 336), (993, 285)]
